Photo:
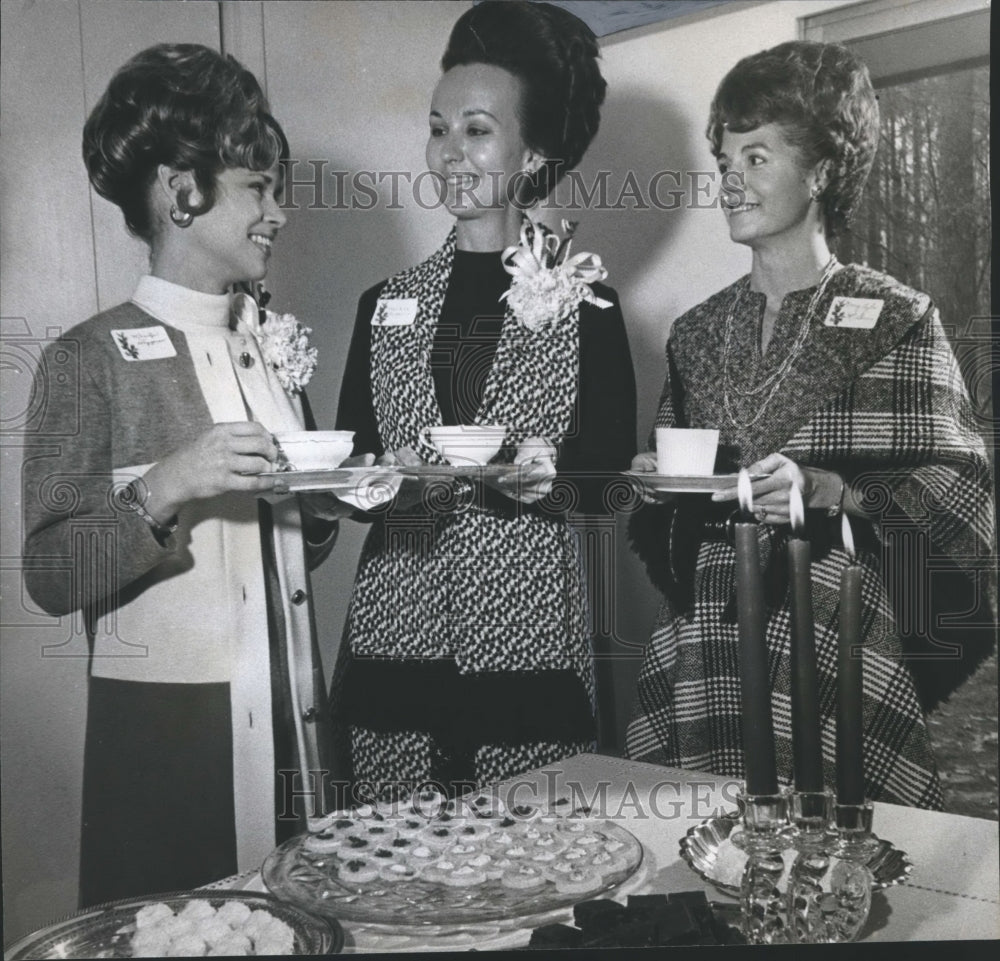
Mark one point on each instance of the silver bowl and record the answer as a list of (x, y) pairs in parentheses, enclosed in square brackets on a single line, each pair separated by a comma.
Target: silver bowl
[(710, 853)]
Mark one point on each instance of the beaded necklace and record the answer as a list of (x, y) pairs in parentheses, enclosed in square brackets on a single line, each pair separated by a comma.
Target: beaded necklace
[(771, 383)]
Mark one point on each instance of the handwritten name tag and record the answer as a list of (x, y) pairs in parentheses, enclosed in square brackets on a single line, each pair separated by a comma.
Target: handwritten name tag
[(859, 312), (395, 313), (143, 343)]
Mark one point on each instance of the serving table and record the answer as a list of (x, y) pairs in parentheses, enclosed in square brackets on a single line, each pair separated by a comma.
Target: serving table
[(953, 891)]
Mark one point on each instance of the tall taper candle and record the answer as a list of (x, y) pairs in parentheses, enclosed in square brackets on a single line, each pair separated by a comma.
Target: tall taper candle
[(755, 687), (850, 748), (807, 744)]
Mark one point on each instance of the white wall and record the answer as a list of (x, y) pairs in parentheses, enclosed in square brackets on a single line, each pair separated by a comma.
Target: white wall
[(350, 82)]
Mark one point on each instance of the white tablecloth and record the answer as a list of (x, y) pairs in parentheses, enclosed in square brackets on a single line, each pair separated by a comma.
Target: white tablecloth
[(953, 892)]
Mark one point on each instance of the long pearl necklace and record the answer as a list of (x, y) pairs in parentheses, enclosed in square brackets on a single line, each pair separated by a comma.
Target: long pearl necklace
[(771, 383)]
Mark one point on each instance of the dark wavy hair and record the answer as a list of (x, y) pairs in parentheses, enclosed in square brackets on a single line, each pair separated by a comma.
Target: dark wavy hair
[(554, 55), (822, 96), (183, 105)]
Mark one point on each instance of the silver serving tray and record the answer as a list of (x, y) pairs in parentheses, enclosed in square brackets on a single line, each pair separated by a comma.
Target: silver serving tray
[(711, 854), (97, 932)]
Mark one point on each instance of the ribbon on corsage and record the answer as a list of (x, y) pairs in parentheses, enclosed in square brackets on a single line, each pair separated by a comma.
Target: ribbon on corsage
[(283, 341), (548, 284)]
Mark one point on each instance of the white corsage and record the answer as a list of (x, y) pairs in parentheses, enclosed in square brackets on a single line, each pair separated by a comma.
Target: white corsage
[(283, 342), (548, 284)]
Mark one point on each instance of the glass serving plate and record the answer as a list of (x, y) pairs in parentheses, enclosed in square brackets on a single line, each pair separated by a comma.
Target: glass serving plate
[(105, 931), (342, 479), (710, 853), (310, 881), (459, 470), (686, 483)]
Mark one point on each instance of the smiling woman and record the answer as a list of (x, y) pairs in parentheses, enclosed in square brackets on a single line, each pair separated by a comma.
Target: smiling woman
[(476, 147), (197, 653), (466, 658), (831, 378)]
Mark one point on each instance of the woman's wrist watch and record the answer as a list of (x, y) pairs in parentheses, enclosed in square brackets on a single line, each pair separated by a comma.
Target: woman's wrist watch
[(133, 497)]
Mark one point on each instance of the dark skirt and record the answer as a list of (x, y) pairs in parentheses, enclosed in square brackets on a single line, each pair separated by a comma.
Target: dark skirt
[(157, 789), (409, 722)]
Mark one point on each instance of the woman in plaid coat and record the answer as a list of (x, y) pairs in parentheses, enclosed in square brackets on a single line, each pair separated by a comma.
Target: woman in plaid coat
[(831, 377)]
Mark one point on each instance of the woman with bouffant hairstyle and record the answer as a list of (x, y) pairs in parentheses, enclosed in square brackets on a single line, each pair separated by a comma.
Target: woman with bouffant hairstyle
[(466, 655), (828, 377), (195, 594)]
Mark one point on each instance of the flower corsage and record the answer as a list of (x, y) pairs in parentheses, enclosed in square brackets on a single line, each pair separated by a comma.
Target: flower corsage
[(283, 342), (548, 284)]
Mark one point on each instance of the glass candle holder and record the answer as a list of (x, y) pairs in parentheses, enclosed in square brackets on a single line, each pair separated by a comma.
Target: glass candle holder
[(830, 885), (810, 816), (851, 831), (764, 838)]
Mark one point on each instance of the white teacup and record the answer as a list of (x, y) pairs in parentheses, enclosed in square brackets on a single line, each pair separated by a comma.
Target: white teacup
[(686, 450), (316, 449), (467, 444)]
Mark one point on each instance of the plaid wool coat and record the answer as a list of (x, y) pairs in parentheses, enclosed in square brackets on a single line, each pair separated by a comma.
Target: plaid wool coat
[(887, 408)]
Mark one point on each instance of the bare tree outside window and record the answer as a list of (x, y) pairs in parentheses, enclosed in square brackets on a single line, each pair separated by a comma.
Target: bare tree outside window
[(925, 216)]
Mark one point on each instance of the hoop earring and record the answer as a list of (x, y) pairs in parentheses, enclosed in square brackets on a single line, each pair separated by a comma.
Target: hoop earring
[(181, 218)]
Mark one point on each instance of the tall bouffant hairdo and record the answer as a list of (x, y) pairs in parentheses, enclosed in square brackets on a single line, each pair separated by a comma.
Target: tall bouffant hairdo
[(183, 105), (554, 54), (821, 94)]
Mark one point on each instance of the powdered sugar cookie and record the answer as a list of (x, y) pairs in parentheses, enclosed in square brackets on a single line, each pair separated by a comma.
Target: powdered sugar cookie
[(197, 910), (186, 946), (152, 914), (235, 946), (234, 913)]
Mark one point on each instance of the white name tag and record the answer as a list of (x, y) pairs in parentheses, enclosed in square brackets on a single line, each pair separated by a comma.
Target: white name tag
[(143, 343), (859, 312), (395, 313)]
